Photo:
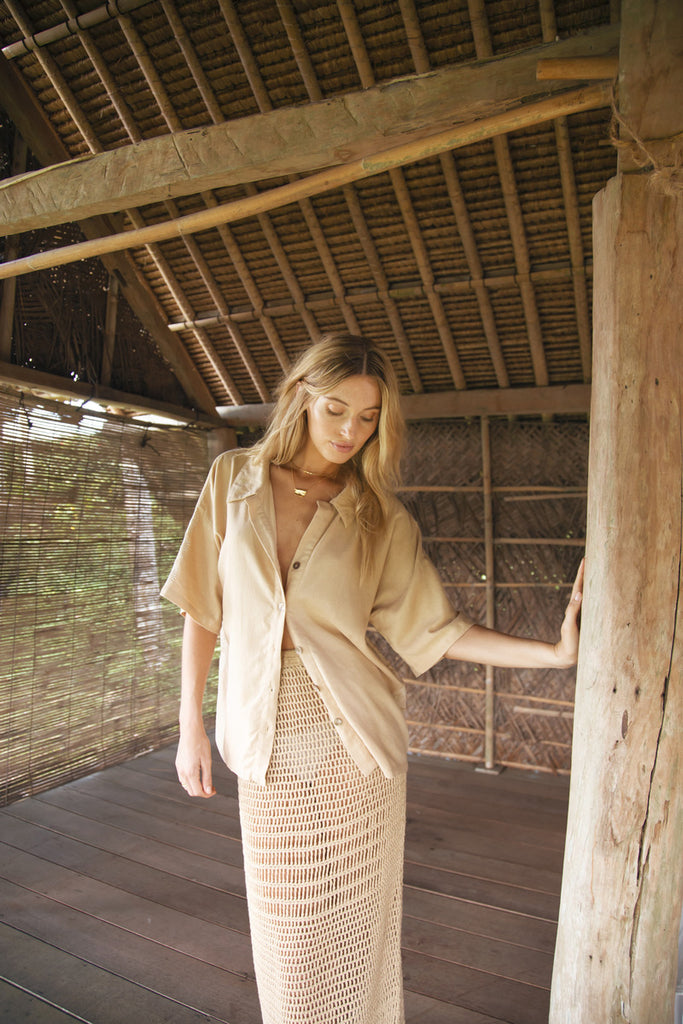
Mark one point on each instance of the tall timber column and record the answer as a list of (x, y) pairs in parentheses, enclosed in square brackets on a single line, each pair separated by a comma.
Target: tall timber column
[(616, 952)]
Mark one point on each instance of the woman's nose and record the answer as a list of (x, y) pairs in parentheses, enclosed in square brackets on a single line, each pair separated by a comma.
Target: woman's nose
[(347, 428)]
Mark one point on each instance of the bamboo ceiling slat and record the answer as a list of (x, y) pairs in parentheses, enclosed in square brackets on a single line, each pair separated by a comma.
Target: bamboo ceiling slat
[(135, 218), (174, 124), (446, 253), (405, 203)]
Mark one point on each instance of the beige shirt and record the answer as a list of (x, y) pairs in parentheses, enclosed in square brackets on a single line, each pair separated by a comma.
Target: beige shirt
[(227, 578)]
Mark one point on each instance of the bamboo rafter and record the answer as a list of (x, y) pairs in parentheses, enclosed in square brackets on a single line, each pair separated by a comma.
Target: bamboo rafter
[(422, 65), (484, 48), (71, 104), (255, 205), (571, 207), (371, 257)]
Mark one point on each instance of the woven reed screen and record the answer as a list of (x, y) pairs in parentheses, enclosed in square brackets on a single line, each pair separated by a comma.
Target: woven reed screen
[(92, 511), (539, 475)]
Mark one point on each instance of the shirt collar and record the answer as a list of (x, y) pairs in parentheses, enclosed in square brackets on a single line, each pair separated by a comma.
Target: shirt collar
[(253, 476), (249, 479), (344, 504)]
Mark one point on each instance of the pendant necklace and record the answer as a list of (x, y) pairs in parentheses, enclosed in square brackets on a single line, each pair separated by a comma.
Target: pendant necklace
[(301, 492)]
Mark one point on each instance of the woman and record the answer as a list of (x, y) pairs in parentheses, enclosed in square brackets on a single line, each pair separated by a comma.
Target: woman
[(296, 547)]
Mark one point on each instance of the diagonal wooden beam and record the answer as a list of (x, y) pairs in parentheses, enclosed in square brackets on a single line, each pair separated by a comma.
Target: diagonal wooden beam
[(292, 140), (47, 147), (53, 386), (589, 98)]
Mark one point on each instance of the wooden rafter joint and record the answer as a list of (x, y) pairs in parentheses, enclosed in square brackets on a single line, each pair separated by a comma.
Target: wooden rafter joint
[(584, 69)]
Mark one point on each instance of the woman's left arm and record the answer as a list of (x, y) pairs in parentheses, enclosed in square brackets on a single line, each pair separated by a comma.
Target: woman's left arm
[(492, 648)]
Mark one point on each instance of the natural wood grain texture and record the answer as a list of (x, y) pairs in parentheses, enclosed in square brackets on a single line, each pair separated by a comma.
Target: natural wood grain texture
[(286, 141), (622, 888), (117, 891)]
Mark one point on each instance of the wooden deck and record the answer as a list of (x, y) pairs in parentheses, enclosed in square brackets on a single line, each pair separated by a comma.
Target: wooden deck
[(121, 900)]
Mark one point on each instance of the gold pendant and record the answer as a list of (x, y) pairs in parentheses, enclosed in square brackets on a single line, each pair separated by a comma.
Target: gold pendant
[(300, 491)]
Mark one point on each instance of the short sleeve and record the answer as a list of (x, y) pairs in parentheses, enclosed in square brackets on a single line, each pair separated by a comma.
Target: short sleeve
[(194, 583), (412, 610)]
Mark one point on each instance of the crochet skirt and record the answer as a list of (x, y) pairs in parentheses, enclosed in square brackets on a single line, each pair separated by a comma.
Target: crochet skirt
[(323, 857)]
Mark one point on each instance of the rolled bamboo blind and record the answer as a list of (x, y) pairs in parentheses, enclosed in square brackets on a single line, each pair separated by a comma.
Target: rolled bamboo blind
[(92, 511)]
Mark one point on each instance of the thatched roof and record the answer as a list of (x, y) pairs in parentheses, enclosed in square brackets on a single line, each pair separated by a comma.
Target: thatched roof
[(468, 256)]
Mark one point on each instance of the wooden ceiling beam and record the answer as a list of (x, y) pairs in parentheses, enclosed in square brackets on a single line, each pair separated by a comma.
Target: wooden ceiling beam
[(286, 141), (76, 22), (350, 22), (589, 97), (558, 400), (258, 87), (310, 217), (53, 387), (46, 145)]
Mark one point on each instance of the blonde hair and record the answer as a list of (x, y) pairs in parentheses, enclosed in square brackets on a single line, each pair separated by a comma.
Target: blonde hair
[(374, 472)]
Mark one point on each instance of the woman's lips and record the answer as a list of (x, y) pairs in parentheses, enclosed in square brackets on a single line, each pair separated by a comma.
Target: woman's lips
[(343, 449)]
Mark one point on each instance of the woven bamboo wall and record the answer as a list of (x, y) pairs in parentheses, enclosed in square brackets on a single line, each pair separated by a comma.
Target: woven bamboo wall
[(539, 473), (92, 511)]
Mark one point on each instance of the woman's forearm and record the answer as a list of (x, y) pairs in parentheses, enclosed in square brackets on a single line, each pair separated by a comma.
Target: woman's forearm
[(193, 760), (198, 647), (489, 647)]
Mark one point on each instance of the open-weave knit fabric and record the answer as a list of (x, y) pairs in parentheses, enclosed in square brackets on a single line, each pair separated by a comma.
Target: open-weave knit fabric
[(323, 857)]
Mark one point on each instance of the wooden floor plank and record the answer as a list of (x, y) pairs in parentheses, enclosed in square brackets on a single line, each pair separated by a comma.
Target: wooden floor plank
[(505, 1000), (443, 770), (139, 818), (489, 894), (500, 959), (51, 978), (532, 845), (163, 887), (523, 822), (180, 978), (492, 922), (95, 837), (122, 899), (212, 943), (448, 848), (421, 1009), (20, 1007), (222, 806)]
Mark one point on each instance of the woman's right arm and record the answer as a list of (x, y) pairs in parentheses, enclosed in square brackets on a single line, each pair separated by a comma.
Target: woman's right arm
[(193, 760)]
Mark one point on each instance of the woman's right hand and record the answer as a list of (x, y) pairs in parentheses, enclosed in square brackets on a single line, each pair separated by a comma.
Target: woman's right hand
[(193, 761)]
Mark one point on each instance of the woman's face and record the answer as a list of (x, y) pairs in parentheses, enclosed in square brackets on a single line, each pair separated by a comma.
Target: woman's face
[(340, 422)]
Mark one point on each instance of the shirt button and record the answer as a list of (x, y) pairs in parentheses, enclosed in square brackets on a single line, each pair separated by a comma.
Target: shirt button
[(337, 721), (296, 565), (299, 650), (281, 606)]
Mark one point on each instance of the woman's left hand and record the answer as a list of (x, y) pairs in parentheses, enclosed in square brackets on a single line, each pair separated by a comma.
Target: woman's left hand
[(567, 648)]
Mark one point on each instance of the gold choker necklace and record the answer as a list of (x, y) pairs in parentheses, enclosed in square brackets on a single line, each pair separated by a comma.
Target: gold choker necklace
[(301, 492)]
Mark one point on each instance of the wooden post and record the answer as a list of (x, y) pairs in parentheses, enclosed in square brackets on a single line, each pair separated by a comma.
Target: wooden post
[(12, 249), (489, 726), (110, 330), (623, 885), (224, 439)]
